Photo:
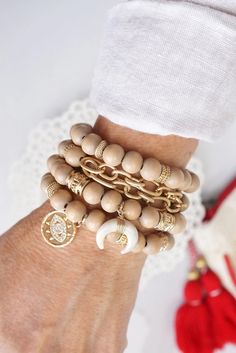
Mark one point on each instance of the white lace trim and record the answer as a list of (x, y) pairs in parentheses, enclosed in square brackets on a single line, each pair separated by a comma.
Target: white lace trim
[(24, 181)]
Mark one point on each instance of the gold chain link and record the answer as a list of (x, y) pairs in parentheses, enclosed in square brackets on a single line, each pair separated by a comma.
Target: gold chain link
[(132, 187)]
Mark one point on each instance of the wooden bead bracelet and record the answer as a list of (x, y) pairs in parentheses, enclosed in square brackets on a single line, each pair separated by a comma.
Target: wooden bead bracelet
[(75, 174), (60, 227), (149, 217), (132, 162), (94, 193)]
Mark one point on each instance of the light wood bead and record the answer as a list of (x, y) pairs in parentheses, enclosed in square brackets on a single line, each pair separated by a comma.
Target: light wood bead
[(94, 220), (132, 209), (60, 199), (93, 193), (79, 131), (180, 224), (132, 162), (187, 180), (141, 244), (90, 143), (154, 244), (113, 155), (74, 155), (171, 242), (150, 217), (111, 201), (52, 160), (195, 183), (62, 145), (56, 164), (151, 169), (176, 178), (46, 180), (185, 203), (75, 211), (158, 242), (62, 172)]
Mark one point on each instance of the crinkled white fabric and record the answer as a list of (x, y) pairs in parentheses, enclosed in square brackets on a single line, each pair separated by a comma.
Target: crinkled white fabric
[(169, 67), (24, 182)]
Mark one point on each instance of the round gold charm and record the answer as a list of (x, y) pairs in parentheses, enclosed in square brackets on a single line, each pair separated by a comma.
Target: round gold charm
[(57, 230)]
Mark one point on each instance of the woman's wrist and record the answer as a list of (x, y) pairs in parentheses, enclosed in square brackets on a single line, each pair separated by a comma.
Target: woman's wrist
[(173, 150)]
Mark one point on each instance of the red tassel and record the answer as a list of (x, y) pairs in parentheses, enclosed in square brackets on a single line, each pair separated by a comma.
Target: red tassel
[(222, 306), (193, 321)]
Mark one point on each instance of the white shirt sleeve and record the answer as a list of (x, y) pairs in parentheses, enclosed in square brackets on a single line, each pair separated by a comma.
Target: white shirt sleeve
[(169, 67)]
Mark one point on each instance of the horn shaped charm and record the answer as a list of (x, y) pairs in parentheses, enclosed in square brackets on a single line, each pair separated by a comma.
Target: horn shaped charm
[(123, 229)]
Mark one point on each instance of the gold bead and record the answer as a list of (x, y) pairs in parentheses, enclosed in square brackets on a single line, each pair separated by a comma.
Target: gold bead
[(166, 223), (201, 263), (99, 150), (193, 275), (165, 174)]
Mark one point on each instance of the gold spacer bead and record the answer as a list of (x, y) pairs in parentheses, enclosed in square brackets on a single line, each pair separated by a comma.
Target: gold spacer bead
[(166, 222), (76, 182), (193, 275), (100, 148), (201, 263), (52, 188), (165, 174)]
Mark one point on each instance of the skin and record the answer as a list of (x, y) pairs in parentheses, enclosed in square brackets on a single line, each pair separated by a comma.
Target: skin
[(79, 298)]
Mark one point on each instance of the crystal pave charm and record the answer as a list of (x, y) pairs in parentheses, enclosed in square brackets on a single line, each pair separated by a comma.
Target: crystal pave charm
[(57, 230)]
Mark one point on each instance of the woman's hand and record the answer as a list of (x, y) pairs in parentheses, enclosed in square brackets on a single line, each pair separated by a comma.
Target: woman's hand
[(76, 299)]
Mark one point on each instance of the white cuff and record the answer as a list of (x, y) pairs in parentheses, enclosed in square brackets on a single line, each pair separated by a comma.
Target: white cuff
[(168, 67)]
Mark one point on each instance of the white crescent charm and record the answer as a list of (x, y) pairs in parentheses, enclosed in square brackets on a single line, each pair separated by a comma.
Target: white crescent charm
[(113, 226)]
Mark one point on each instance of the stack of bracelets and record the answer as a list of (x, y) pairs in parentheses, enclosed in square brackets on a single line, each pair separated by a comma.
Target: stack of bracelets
[(134, 202)]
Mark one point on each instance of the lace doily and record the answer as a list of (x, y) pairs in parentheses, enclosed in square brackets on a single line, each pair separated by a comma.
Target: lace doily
[(24, 181)]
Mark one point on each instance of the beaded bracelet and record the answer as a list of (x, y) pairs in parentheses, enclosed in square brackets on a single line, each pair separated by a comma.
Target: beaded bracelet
[(75, 174)]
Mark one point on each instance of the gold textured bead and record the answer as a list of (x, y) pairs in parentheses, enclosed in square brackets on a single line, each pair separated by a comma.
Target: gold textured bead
[(166, 223), (99, 150), (164, 175), (52, 188), (76, 182)]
